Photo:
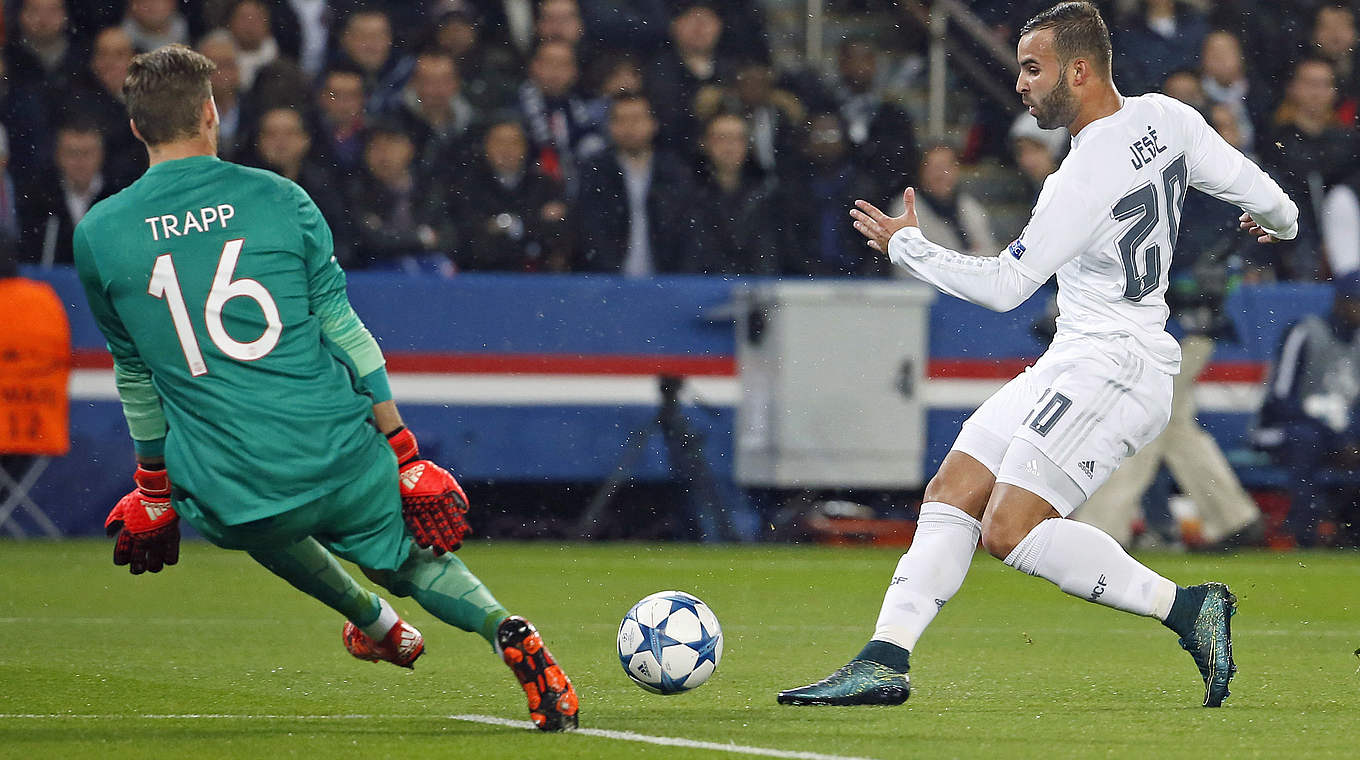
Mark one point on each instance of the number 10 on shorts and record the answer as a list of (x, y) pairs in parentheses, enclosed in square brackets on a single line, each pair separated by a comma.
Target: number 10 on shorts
[(1046, 413)]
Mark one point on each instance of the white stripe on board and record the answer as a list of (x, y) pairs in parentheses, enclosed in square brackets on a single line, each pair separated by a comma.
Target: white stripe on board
[(612, 390), (491, 720)]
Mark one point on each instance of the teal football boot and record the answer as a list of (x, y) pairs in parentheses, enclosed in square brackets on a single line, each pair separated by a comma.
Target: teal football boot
[(1210, 641), (861, 682)]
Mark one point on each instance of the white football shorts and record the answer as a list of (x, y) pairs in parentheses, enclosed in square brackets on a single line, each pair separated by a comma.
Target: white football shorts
[(1061, 427)]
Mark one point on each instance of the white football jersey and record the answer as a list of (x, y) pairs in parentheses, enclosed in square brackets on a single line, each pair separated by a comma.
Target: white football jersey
[(1106, 222)]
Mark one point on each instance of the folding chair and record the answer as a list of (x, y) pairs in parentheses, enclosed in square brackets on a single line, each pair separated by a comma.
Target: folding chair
[(35, 366), (14, 492)]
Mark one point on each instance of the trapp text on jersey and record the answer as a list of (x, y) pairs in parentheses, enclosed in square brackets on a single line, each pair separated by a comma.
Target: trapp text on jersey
[(178, 225), (1145, 149)]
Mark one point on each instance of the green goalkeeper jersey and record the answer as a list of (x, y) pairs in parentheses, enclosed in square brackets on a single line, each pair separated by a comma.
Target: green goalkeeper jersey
[(235, 348)]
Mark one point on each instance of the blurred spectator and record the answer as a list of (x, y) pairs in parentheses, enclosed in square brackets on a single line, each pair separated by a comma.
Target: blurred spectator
[(1308, 421), (882, 140), (736, 203), (614, 75), (821, 242), (1159, 37), (153, 23), (101, 99), (50, 210), (1334, 40), (632, 212), (774, 117), (1225, 82), (510, 217), (366, 44), (559, 21), (24, 113), (1185, 86), (953, 219), (1306, 152), (219, 47), (685, 65), (402, 224), (1037, 152), (489, 72), (249, 23), (438, 118), (283, 146), (9, 213), (43, 52), (340, 106), (562, 127)]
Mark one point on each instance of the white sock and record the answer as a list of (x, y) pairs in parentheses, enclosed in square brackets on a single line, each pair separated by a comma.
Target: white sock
[(929, 573), (1085, 562), (387, 617)]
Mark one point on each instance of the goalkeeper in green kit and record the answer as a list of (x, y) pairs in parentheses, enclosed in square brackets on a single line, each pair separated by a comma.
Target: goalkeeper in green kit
[(259, 404)]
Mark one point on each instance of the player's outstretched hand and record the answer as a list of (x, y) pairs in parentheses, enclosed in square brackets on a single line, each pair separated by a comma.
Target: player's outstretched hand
[(145, 524), (433, 505), (877, 227), (1250, 225)]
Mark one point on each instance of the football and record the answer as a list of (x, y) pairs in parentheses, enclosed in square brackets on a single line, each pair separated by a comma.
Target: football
[(670, 642)]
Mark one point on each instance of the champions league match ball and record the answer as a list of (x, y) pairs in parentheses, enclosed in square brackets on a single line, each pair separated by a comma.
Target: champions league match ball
[(670, 642)]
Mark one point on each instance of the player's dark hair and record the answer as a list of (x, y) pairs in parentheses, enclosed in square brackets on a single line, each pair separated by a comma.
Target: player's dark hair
[(1078, 32), (165, 90)]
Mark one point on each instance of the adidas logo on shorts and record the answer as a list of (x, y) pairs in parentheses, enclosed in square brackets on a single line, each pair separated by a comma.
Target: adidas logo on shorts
[(1088, 467)]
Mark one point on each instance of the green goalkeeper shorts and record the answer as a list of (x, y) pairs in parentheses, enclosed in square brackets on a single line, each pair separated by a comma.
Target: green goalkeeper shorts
[(359, 521)]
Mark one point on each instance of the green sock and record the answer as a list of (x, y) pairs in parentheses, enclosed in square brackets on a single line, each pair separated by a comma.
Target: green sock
[(313, 570), (448, 590)]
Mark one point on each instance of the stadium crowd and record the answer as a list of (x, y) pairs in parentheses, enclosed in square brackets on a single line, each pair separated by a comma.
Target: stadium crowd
[(648, 136)]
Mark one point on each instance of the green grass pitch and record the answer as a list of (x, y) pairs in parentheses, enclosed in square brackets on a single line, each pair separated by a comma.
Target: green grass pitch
[(96, 663)]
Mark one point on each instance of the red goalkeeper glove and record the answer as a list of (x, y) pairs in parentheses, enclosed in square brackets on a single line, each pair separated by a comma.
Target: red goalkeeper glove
[(146, 525), (432, 503)]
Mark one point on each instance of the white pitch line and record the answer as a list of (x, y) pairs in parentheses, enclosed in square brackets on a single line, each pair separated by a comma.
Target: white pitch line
[(491, 720), (664, 741)]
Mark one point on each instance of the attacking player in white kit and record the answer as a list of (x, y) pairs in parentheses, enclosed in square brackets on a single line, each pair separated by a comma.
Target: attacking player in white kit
[(1106, 224)]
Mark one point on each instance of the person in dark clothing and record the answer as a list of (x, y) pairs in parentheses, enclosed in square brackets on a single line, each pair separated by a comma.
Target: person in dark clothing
[(50, 210), (737, 204), (100, 98), (820, 240), (561, 124), (879, 132), (1309, 421), (341, 119), (510, 217), (441, 122), (1162, 37), (634, 209), (1308, 152), (688, 63), (402, 224), (775, 119), (44, 53), (366, 44), (283, 145)]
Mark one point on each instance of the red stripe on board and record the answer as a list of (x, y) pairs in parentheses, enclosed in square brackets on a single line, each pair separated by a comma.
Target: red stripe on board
[(1235, 372), (976, 369)]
